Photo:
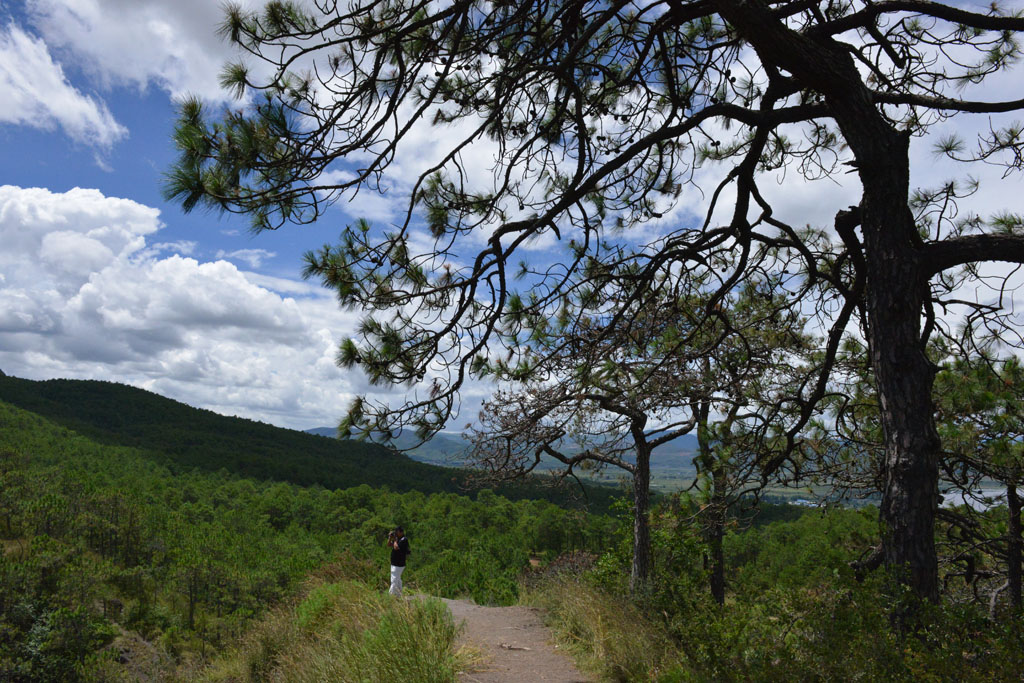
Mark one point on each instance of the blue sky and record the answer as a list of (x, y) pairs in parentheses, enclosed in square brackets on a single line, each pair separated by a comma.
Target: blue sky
[(100, 278), (50, 156)]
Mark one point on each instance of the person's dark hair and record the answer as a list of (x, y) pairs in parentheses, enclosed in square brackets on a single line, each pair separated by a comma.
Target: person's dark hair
[(399, 529)]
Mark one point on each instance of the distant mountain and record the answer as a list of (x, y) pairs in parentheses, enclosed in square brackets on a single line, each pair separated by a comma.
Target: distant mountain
[(672, 462), (183, 437), (685, 445), (187, 437), (329, 432), (444, 449)]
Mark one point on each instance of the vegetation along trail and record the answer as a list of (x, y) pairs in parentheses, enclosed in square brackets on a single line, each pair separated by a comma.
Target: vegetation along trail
[(515, 644)]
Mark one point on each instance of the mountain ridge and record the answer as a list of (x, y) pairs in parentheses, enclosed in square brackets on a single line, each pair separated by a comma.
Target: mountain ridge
[(671, 462), (183, 437)]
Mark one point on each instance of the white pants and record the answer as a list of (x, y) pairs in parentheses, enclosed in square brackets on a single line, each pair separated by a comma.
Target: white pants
[(396, 580)]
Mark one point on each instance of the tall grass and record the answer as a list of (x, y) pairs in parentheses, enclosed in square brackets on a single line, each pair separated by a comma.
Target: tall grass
[(345, 631), (609, 637)]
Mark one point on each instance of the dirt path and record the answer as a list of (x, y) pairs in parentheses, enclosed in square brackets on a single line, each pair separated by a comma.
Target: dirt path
[(516, 644)]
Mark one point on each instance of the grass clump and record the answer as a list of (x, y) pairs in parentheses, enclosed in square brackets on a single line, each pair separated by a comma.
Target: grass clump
[(609, 637), (345, 631)]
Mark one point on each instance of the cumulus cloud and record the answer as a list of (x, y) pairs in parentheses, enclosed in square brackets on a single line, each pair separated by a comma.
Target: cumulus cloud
[(37, 227), (83, 295), (173, 45), (38, 94)]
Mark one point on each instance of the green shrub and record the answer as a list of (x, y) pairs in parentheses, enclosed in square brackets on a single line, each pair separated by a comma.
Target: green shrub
[(794, 612)]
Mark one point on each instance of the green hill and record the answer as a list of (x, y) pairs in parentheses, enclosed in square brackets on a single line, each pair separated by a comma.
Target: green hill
[(114, 566), (182, 438)]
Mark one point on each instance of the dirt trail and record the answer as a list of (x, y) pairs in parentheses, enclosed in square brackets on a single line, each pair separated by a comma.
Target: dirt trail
[(516, 644)]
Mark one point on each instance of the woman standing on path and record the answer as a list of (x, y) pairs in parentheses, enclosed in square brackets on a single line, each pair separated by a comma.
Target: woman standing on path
[(399, 545)]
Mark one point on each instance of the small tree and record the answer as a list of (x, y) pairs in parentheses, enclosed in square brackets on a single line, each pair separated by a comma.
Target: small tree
[(613, 389)]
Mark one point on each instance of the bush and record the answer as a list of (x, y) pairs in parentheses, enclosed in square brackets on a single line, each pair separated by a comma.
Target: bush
[(793, 612), (59, 644)]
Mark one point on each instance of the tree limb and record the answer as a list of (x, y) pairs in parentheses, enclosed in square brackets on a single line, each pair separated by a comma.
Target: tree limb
[(957, 251), (946, 104), (932, 9)]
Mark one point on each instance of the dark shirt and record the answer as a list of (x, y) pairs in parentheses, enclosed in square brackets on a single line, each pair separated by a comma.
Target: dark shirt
[(398, 556)]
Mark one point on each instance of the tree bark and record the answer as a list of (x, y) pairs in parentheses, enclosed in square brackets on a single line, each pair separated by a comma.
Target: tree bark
[(641, 570), (715, 533), (903, 373), (895, 286), (713, 517), (1013, 546)]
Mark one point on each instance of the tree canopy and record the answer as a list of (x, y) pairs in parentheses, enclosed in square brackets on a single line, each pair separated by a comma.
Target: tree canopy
[(593, 119)]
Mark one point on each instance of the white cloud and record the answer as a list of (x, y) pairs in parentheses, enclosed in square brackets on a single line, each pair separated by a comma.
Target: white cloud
[(173, 45), (37, 93), (283, 285), (254, 257), (30, 218), (184, 247), (83, 295)]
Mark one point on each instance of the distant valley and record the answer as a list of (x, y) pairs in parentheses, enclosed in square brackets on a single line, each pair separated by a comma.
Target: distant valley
[(671, 467)]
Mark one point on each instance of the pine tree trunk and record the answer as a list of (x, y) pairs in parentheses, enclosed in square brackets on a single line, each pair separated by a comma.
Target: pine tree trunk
[(641, 570), (715, 533), (193, 595), (903, 374), (1013, 546), (896, 287), (895, 284)]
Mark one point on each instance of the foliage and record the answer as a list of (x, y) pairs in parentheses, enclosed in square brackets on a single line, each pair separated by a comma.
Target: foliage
[(105, 548), (980, 422), (979, 401), (795, 611)]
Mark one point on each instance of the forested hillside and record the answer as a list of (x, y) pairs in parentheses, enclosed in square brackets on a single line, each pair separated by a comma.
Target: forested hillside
[(113, 562), (117, 567), (182, 437)]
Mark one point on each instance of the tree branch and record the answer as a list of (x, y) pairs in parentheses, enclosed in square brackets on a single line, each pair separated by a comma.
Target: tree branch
[(932, 9), (940, 256), (946, 103)]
